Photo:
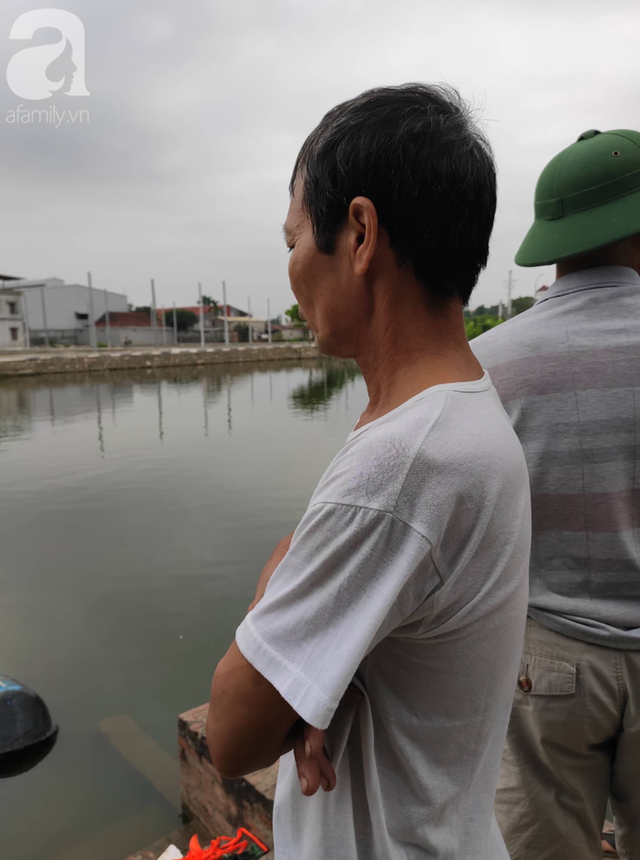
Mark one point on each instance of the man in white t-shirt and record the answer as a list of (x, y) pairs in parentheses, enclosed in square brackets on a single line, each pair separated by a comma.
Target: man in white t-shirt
[(380, 654)]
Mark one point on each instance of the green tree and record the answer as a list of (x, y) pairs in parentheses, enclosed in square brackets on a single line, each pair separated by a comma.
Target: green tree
[(482, 311), (243, 332), (294, 315), (184, 319), (521, 304), (479, 324), (208, 302), (143, 309)]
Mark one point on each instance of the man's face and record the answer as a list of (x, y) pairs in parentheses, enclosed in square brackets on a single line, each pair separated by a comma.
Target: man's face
[(322, 283)]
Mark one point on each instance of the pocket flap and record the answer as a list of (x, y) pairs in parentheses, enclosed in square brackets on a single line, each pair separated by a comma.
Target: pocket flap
[(546, 676)]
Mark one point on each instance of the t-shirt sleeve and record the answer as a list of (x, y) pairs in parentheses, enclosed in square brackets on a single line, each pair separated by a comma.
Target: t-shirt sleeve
[(351, 576)]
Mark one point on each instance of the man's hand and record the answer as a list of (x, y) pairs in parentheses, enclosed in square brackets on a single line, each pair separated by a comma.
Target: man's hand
[(274, 560), (312, 759)]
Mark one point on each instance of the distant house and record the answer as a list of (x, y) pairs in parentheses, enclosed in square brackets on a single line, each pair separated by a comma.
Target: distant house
[(125, 319), (63, 309), (12, 327), (210, 319), (230, 311), (126, 328)]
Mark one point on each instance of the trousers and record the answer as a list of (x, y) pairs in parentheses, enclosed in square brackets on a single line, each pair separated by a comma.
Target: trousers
[(573, 741)]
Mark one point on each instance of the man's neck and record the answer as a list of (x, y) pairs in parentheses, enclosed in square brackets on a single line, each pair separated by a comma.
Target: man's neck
[(413, 353), (595, 260)]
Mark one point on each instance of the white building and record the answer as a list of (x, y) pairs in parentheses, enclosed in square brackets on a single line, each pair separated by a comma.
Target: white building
[(12, 328), (63, 310)]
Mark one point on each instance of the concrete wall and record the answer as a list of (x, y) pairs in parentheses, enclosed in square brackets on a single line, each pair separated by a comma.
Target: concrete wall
[(129, 336), (57, 337), (295, 333), (63, 301), (221, 805), (72, 361), (143, 336)]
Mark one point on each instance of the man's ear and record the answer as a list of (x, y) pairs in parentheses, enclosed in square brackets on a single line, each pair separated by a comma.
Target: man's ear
[(363, 233)]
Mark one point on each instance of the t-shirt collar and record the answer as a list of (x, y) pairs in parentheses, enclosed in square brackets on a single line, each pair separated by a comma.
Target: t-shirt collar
[(473, 385), (587, 279)]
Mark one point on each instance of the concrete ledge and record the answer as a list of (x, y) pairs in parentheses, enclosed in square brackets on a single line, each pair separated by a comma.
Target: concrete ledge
[(221, 805), (74, 361)]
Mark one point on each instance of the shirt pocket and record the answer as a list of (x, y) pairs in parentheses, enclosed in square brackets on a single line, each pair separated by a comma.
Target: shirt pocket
[(546, 676)]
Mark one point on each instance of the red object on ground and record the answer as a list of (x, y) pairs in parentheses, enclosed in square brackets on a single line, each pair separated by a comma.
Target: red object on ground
[(224, 846)]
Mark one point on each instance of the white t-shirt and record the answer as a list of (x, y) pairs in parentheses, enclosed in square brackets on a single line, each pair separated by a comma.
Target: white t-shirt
[(408, 574)]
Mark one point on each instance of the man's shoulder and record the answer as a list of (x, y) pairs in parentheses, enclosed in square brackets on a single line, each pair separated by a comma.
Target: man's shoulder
[(371, 468), (511, 335)]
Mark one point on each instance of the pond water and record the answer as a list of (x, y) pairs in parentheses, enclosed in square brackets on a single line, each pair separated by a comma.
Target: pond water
[(137, 510)]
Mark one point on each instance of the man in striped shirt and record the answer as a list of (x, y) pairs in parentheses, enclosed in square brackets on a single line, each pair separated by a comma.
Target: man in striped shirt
[(568, 374)]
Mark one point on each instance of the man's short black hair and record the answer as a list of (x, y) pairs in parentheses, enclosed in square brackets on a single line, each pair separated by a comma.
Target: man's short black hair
[(416, 153)]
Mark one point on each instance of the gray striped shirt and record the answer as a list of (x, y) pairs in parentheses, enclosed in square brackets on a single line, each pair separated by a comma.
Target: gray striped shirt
[(568, 374)]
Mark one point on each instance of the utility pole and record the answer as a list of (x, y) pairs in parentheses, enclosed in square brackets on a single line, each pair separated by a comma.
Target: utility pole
[(226, 313), (250, 318), (154, 313), (93, 338), (510, 284), (44, 318), (201, 316), (269, 320), (500, 309), (107, 322), (175, 325)]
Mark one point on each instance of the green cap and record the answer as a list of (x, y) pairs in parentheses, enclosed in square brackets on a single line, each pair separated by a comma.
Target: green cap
[(587, 196)]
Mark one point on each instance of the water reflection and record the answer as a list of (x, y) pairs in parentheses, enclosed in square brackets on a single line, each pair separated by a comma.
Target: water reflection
[(206, 411), (65, 398), (322, 385), (99, 419), (160, 426)]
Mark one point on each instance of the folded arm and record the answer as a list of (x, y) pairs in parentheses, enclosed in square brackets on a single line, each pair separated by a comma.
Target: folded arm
[(249, 724)]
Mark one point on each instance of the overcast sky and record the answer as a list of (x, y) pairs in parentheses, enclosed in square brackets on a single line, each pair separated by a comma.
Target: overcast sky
[(197, 111)]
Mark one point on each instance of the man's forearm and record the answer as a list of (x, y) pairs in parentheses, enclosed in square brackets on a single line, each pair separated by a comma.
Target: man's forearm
[(249, 725)]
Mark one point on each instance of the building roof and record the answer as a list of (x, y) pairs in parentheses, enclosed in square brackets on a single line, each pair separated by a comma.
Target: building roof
[(230, 309), (10, 278), (195, 309), (125, 319)]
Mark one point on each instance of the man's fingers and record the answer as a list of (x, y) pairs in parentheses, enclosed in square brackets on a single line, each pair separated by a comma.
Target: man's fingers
[(312, 761), (327, 773), (308, 768), (313, 741), (315, 750)]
